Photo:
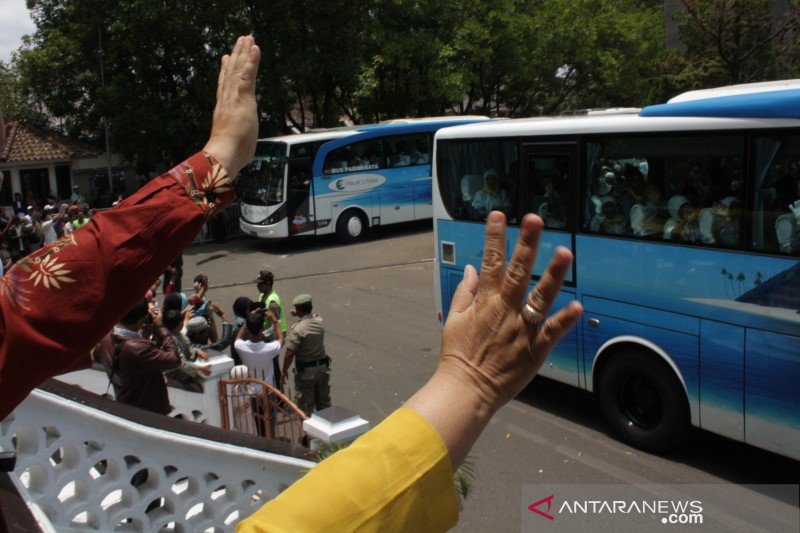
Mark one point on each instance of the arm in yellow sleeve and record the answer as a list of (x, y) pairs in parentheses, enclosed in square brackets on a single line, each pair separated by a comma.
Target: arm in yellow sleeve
[(396, 477)]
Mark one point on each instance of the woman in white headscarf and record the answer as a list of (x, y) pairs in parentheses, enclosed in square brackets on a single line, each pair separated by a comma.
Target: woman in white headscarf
[(682, 224), (491, 197), (725, 222)]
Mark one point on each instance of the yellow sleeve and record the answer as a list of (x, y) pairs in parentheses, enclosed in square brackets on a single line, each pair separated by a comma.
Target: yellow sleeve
[(396, 477)]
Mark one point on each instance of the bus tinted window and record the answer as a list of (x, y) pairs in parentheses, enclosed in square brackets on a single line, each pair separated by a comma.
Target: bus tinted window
[(776, 194), (685, 189), (548, 188), (476, 177), (305, 149), (407, 150), (356, 157)]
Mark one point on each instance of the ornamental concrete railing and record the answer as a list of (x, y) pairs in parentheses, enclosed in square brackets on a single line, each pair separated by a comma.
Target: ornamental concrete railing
[(90, 463)]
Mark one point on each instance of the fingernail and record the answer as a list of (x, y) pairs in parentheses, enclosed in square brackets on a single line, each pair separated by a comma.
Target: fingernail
[(495, 217)]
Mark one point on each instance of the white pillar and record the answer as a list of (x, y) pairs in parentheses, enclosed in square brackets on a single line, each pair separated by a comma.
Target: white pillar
[(16, 186), (51, 173), (335, 424)]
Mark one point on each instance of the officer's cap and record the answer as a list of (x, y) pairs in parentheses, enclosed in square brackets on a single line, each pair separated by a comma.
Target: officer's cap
[(302, 299)]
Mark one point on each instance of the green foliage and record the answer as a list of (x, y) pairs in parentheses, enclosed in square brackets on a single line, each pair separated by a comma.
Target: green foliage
[(464, 480), (369, 60), (732, 41), (14, 102)]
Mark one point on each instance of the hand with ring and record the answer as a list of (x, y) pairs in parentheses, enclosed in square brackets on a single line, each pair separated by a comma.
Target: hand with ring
[(495, 338)]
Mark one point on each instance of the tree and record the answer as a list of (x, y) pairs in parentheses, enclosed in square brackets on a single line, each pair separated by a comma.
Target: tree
[(732, 41), (14, 102), (160, 62)]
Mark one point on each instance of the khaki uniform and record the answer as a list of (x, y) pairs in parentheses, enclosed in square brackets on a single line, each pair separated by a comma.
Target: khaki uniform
[(312, 383)]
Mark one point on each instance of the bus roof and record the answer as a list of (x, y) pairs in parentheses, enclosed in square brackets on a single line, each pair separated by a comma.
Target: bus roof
[(774, 99), (401, 125), (310, 137), (606, 124)]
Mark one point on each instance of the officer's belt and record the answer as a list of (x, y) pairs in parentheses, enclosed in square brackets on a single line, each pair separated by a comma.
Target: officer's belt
[(301, 365)]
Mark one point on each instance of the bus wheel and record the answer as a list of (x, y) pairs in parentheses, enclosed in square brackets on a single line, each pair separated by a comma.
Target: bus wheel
[(644, 402), (351, 226)]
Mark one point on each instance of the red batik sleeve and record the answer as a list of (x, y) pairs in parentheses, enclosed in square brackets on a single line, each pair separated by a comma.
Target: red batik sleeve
[(58, 302)]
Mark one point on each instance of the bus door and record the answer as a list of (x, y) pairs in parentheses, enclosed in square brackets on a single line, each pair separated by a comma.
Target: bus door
[(300, 197), (547, 187)]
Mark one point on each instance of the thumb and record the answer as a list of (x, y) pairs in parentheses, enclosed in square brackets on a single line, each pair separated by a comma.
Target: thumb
[(466, 291)]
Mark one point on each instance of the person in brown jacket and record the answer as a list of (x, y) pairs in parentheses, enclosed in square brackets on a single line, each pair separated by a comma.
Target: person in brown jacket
[(136, 365)]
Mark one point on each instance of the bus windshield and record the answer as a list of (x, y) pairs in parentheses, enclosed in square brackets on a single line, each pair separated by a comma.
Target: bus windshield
[(261, 181)]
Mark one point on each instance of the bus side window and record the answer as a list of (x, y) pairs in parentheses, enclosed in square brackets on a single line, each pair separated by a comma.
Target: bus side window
[(356, 157), (407, 150), (776, 194)]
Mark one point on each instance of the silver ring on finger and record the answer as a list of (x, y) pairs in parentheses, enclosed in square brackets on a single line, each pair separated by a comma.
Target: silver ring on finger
[(532, 316)]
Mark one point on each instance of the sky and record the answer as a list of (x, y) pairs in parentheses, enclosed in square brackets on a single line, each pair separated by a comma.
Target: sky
[(14, 23)]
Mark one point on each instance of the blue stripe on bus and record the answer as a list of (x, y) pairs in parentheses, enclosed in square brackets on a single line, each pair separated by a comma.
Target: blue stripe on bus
[(772, 104)]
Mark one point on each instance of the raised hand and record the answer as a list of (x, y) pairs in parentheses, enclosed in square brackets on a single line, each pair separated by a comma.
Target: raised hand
[(234, 130), (494, 340), (487, 339)]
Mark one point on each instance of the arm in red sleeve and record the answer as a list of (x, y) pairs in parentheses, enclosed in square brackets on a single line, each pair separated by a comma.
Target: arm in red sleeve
[(58, 302)]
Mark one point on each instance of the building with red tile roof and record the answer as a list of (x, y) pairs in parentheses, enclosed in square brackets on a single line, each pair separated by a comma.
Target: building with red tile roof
[(38, 163)]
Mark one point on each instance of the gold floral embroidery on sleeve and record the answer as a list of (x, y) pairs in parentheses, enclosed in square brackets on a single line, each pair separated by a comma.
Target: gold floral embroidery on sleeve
[(12, 286), (50, 272), (42, 267), (216, 181), (211, 189)]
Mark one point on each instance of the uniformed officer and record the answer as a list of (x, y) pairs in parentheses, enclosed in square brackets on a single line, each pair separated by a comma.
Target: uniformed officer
[(312, 365)]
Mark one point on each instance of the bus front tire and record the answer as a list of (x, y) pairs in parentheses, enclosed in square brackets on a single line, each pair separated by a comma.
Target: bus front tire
[(351, 226), (644, 402)]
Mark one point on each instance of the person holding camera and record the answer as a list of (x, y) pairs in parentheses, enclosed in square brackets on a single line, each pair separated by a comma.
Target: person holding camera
[(136, 365), (305, 343)]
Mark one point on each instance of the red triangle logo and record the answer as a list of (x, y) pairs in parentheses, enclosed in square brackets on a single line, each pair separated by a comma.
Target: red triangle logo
[(549, 500)]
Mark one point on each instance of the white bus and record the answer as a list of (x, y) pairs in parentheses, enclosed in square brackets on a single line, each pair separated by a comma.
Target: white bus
[(344, 181), (683, 220)]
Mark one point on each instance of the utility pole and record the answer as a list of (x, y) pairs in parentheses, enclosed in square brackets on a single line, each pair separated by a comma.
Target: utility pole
[(105, 119)]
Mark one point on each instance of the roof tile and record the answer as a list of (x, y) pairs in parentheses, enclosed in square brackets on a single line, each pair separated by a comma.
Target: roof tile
[(27, 143)]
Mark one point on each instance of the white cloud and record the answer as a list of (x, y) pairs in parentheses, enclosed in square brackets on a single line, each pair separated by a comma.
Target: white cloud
[(14, 23)]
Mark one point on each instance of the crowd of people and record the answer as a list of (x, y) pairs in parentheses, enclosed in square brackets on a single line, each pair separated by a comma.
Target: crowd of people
[(28, 228), (627, 202), (156, 345)]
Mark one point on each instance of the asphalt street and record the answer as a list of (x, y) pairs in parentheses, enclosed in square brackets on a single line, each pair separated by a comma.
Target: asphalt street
[(381, 331)]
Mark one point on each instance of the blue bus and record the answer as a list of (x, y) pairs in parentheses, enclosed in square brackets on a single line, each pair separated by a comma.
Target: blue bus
[(684, 221), (342, 180)]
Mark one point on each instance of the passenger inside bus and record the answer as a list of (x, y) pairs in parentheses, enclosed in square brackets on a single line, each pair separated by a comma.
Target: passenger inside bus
[(491, 197), (607, 217), (552, 210), (647, 218), (720, 224), (682, 224)]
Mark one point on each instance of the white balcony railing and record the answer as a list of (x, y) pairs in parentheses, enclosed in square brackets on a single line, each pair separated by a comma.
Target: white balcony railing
[(104, 466)]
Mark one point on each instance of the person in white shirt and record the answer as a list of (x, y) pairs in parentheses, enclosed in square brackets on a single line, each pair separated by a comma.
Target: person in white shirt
[(49, 232), (257, 355)]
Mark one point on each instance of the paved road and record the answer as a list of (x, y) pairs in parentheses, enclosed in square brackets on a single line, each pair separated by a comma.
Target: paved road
[(378, 304)]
